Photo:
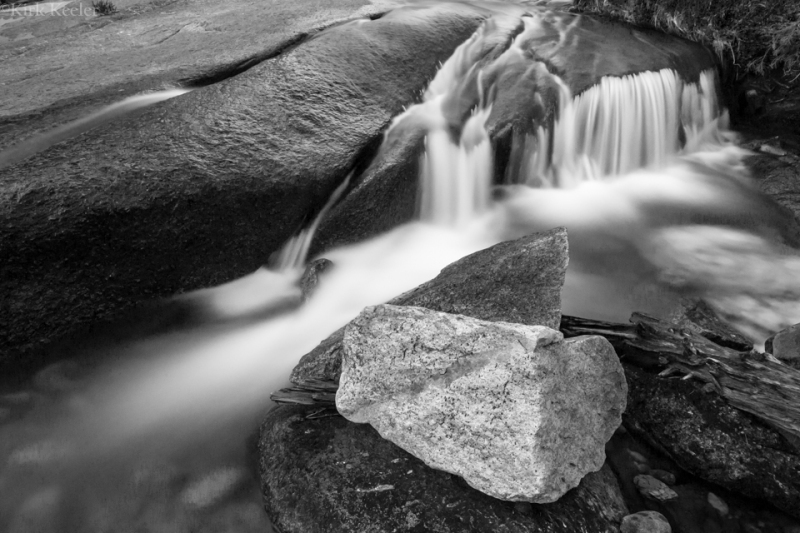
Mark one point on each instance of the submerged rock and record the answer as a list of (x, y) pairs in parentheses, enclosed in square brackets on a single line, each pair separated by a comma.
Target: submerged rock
[(326, 474), (516, 281), (311, 276), (517, 411)]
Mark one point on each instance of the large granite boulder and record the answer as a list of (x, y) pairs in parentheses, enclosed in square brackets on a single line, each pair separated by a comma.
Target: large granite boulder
[(516, 281), (202, 188), (517, 411), (322, 473)]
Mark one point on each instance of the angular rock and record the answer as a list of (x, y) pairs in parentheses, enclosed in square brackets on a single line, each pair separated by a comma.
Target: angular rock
[(712, 440), (516, 281), (698, 317), (645, 522), (518, 412), (323, 474), (785, 345), (202, 188)]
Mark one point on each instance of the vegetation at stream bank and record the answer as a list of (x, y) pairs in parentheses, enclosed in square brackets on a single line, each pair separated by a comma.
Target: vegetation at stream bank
[(104, 7), (756, 37)]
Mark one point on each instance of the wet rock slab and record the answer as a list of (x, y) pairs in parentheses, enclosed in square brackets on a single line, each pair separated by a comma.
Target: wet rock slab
[(324, 474), (202, 188)]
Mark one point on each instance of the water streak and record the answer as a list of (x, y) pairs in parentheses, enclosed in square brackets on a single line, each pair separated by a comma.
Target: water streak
[(43, 141)]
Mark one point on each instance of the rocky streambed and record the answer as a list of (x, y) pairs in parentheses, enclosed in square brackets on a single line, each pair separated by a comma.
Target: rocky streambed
[(470, 402), (429, 441)]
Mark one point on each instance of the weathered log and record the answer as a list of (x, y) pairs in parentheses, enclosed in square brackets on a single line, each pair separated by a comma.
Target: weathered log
[(747, 380)]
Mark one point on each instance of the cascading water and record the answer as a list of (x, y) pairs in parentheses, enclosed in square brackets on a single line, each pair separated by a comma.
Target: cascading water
[(621, 125), (631, 166)]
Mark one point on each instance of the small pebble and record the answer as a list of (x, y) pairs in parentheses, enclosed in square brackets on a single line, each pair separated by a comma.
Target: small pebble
[(664, 476), (213, 487), (750, 528), (718, 503), (638, 457), (654, 489), (645, 522)]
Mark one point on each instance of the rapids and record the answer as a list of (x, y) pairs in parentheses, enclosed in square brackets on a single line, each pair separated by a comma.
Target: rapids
[(641, 169)]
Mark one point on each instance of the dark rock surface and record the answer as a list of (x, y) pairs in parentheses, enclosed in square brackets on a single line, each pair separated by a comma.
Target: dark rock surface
[(516, 281), (712, 440), (60, 68), (694, 510), (202, 188), (382, 197), (324, 474)]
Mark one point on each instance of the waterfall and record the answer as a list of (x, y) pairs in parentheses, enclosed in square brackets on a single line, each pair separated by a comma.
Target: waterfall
[(293, 254), (617, 126), (620, 125)]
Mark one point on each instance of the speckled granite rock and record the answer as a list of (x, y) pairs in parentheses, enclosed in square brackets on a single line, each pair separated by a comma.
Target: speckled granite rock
[(516, 410), (324, 474), (516, 281)]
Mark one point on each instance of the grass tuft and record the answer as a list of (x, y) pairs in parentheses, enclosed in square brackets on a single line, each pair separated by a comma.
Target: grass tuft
[(753, 36), (104, 7)]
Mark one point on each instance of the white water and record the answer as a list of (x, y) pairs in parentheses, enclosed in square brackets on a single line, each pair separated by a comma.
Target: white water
[(614, 169)]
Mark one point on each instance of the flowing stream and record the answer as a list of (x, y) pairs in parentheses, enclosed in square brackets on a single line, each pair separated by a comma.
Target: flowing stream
[(641, 169)]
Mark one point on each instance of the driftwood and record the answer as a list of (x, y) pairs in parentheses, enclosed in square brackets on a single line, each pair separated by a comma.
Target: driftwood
[(748, 380), (316, 392)]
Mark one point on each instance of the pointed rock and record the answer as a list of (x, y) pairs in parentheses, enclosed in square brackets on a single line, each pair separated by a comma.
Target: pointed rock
[(516, 281)]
